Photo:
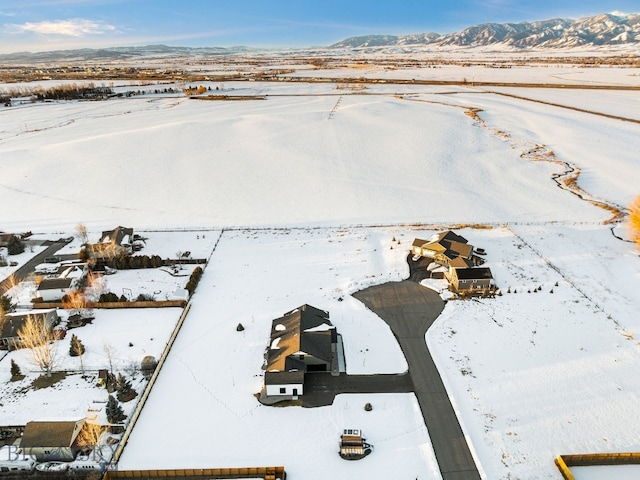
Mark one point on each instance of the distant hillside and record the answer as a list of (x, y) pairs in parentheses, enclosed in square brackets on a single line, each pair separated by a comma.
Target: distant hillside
[(603, 29), (118, 53)]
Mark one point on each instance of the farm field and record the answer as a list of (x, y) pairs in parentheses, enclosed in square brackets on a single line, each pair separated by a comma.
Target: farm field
[(317, 192)]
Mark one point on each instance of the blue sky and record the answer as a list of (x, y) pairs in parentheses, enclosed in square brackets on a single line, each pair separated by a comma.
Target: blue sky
[(39, 25)]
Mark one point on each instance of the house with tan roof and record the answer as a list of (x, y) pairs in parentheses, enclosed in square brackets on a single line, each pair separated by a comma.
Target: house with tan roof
[(112, 244), (51, 440)]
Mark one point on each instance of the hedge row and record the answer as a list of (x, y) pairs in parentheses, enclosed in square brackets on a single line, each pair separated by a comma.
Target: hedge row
[(130, 262)]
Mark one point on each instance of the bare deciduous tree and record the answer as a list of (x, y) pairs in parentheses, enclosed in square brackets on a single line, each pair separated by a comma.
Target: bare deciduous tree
[(76, 302), (38, 338), (109, 351), (90, 435), (634, 219), (81, 230)]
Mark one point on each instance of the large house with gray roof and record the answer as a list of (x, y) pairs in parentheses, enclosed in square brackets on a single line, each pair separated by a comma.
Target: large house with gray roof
[(302, 341)]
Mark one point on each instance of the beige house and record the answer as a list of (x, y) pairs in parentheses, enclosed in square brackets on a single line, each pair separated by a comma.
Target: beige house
[(112, 244), (470, 280), (51, 440), (446, 248)]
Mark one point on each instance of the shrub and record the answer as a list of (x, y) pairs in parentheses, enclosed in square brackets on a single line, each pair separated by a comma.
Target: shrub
[(194, 280), (15, 369), (368, 407), (108, 297), (239, 328)]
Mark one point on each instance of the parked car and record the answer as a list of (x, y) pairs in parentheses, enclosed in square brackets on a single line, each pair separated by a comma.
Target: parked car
[(14, 462), (52, 467), (52, 259), (46, 268)]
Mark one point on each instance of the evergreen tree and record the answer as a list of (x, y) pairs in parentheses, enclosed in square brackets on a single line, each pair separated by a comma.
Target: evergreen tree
[(15, 246), (125, 391), (15, 369), (114, 411), (6, 304), (76, 347), (122, 384)]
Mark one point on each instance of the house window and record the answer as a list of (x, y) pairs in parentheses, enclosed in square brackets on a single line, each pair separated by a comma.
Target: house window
[(301, 357), (283, 390)]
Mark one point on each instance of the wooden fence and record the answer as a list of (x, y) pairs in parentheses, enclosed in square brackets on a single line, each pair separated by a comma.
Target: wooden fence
[(267, 473), (107, 305), (147, 391), (564, 462)]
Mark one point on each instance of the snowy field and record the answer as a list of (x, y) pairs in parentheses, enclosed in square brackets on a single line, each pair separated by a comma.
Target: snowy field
[(532, 375)]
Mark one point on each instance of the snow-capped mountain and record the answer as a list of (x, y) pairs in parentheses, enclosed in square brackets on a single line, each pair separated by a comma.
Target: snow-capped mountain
[(603, 29)]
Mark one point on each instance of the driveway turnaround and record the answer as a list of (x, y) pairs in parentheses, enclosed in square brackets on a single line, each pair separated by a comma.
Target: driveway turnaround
[(410, 309)]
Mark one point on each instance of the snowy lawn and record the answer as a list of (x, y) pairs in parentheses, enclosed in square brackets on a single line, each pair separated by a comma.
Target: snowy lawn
[(128, 335), (545, 370), (253, 278)]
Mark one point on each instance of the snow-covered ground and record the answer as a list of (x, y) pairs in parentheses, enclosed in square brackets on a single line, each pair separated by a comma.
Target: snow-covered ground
[(254, 277), (117, 339), (532, 375)]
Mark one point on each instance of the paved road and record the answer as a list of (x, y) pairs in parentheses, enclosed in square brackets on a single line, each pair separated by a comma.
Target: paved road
[(24, 271), (321, 388), (410, 309)]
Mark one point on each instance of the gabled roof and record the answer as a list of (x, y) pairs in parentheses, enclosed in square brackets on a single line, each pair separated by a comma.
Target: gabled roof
[(49, 434), (450, 245), (460, 262), (304, 330), (15, 321), (481, 273), (448, 235), (55, 283), (418, 242), (460, 249), (284, 378), (117, 235)]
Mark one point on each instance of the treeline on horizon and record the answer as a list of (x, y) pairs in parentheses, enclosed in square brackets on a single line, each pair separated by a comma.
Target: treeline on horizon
[(67, 91)]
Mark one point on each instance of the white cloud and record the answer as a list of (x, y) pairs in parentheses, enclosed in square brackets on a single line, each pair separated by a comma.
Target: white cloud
[(7, 14), (74, 27)]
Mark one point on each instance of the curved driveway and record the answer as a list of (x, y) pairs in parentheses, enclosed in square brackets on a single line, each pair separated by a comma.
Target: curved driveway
[(410, 309)]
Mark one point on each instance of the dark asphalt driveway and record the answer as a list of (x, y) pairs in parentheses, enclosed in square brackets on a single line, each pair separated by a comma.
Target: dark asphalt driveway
[(28, 267), (410, 309), (321, 388)]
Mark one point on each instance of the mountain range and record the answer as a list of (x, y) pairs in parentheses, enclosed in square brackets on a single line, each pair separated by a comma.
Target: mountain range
[(599, 30)]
